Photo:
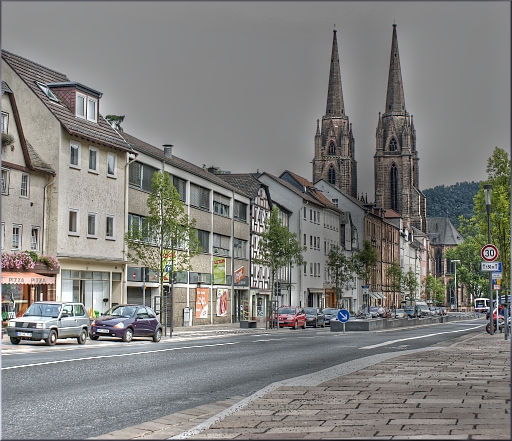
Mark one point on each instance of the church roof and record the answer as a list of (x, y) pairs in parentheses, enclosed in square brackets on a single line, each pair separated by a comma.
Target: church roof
[(395, 102), (335, 106), (441, 231)]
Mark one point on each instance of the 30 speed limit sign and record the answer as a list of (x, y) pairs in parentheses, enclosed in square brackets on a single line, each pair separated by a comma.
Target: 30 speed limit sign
[(489, 253)]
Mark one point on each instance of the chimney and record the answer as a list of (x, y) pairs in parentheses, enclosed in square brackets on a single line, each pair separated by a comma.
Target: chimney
[(168, 150)]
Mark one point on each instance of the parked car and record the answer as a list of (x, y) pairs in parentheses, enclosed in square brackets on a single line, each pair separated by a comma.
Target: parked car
[(434, 311), (442, 310), (410, 311), (374, 311), (291, 317), (400, 313), (50, 321), (330, 314), (314, 317), (126, 322)]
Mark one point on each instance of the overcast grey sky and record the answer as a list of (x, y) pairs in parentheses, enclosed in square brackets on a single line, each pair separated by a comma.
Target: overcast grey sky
[(240, 85)]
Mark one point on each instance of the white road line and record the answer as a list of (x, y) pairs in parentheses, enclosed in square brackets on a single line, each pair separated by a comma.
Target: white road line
[(386, 343), (114, 355)]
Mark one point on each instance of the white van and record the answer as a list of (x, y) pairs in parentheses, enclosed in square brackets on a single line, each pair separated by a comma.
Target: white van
[(421, 309)]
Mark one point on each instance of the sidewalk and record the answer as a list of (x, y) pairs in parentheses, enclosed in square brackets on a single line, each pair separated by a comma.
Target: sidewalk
[(456, 390)]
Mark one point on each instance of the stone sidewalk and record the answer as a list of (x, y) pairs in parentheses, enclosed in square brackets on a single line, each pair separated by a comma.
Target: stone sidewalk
[(456, 390)]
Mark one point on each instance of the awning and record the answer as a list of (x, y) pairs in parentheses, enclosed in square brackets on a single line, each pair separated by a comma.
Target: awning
[(372, 295), (26, 279)]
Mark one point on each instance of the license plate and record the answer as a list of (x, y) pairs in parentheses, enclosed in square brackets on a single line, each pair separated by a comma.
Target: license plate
[(24, 334), (104, 331)]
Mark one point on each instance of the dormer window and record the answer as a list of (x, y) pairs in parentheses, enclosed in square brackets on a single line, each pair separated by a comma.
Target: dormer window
[(47, 91), (86, 107)]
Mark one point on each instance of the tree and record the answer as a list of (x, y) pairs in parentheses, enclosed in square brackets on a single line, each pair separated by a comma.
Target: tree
[(166, 236), (396, 275), (115, 121), (278, 247), (341, 270), (409, 284), (434, 289), (365, 261)]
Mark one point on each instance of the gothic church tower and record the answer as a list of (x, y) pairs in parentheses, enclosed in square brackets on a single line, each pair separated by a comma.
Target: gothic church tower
[(396, 161), (334, 142)]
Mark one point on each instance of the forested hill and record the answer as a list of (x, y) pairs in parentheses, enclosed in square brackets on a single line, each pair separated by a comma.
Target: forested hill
[(451, 201)]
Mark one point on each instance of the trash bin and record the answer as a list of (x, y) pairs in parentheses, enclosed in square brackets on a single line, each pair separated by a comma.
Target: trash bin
[(186, 316)]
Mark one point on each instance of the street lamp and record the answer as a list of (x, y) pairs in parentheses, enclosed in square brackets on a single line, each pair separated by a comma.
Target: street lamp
[(456, 292), (487, 194)]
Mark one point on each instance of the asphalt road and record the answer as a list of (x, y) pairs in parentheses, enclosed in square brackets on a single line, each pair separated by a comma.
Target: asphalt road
[(75, 392)]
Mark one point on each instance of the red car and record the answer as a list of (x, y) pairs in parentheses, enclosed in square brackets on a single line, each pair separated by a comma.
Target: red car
[(291, 317)]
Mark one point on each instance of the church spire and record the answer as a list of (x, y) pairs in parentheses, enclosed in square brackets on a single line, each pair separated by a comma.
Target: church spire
[(395, 101), (335, 106)]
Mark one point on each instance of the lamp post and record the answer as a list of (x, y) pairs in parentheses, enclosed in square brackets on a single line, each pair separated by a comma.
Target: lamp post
[(456, 291), (487, 194)]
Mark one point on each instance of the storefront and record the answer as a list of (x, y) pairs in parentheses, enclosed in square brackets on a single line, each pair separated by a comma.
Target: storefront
[(21, 289)]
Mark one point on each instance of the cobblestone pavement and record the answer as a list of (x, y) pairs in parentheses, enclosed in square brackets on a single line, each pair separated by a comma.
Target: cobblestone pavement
[(456, 390)]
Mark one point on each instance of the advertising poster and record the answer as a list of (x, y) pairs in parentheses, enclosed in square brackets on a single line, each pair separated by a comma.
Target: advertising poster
[(219, 271), (222, 302), (202, 302), (239, 274)]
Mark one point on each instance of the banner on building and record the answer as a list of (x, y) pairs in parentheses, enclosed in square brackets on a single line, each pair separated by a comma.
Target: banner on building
[(202, 302), (219, 271), (222, 302), (239, 274)]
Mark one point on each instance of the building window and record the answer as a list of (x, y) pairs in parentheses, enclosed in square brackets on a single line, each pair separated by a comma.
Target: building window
[(335, 202), (394, 188), (112, 165), (239, 248), (91, 109), (93, 159), (181, 187), (305, 240), (16, 237), (25, 185), (332, 148), (5, 122), (2, 235), (91, 225), (73, 222), (5, 181), (439, 262), (47, 92), (310, 215), (109, 234), (221, 245), (392, 145), (221, 204), (240, 211), (305, 213), (34, 239), (74, 155), (332, 176), (305, 269), (311, 271), (199, 197), (141, 176), (204, 240), (80, 105), (310, 241)]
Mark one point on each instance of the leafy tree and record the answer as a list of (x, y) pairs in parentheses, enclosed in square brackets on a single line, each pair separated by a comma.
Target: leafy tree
[(115, 121), (341, 269), (410, 284), (434, 290), (395, 275), (166, 235), (365, 261), (278, 247)]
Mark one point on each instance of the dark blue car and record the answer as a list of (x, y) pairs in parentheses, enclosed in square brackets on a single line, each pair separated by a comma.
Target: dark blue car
[(126, 322), (330, 313)]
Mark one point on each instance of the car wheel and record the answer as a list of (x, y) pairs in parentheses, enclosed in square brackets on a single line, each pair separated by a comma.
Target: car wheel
[(316, 323), (304, 325), (15, 340), (158, 335), (94, 337), (82, 337), (52, 338), (296, 324), (323, 324), (128, 335)]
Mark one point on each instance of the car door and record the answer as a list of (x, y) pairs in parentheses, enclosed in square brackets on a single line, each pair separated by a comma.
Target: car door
[(141, 324), (67, 322), (153, 320)]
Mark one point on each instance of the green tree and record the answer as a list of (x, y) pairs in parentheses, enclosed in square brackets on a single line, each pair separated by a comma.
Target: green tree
[(341, 270), (365, 261), (410, 284), (278, 247), (115, 121), (395, 275), (166, 236), (434, 290)]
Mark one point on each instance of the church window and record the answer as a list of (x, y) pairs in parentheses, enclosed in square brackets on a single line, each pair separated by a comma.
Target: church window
[(439, 262), (332, 149), (394, 188), (392, 145), (332, 176)]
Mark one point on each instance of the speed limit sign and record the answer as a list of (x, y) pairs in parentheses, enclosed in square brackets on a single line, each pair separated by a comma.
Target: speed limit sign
[(489, 253)]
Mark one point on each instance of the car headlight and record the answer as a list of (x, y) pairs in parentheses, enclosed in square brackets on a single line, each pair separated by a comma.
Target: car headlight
[(40, 325), (93, 323), (12, 323), (120, 325)]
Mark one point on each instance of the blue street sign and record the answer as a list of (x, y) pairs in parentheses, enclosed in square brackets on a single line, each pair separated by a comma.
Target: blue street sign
[(343, 315), (168, 268)]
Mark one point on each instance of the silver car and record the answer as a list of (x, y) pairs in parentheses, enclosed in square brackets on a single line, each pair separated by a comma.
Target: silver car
[(49, 321)]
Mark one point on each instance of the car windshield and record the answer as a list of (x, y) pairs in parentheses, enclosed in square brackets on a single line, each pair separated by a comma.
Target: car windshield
[(122, 311), (43, 310), (373, 308), (330, 311), (399, 311), (286, 311), (422, 307), (408, 309), (310, 310)]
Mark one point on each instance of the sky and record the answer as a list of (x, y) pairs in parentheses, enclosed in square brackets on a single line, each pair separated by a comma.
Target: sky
[(240, 85)]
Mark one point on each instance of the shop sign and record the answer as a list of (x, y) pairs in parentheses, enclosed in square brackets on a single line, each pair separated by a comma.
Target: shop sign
[(239, 274)]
